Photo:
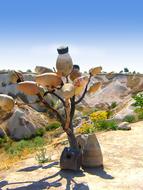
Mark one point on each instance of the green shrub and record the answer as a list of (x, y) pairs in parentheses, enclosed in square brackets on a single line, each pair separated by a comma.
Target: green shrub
[(138, 110), (40, 132), (16, 148), (53, 126), (41, 156), (113, 105), (106, 125), (38, 142), (97, 126), (140, 116), (138, 100), (129, 118), (3, 140)]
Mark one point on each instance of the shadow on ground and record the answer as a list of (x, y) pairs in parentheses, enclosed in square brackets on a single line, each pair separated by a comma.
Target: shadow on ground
[(32, 168), (60, 175)]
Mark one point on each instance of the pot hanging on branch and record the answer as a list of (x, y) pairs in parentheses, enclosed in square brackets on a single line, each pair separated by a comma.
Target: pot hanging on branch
[(49, 80), (74, 74), (94, 88), (94, 71), (64, 62), (80, 84), (68, 90), (29, 88)]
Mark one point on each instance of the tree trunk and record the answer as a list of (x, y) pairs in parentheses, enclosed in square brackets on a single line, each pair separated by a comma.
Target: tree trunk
[(72, 138)]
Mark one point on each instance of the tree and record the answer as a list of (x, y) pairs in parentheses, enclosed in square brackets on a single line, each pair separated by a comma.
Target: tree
[(69, 90), (126, 70), (29, 71)]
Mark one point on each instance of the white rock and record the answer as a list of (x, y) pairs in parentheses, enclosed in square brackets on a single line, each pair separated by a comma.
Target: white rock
[(124, 126), (19, 126)]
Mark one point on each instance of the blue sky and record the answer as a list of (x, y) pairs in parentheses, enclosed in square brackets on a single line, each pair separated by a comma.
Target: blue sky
[(98, 32)]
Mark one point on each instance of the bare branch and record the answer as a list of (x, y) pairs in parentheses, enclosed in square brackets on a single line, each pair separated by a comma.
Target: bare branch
[(51, 108), (52, 92), (28, 104), (72, 112), (85, 91)]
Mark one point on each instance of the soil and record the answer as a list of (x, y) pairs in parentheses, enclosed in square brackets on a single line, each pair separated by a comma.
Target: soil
[(123, 167)]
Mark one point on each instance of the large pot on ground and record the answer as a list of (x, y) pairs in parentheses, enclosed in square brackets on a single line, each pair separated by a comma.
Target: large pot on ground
[(91, 151)]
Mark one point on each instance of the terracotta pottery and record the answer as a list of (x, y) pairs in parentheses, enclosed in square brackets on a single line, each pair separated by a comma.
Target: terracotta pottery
[(49, 80), (94, 87), (68, 90), (91, 151), (80, 84), (28, 87), (95, 71), (75, 74), (64, 62)]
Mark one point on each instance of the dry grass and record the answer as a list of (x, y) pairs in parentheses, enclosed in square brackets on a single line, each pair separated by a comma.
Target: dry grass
[(8, 160)]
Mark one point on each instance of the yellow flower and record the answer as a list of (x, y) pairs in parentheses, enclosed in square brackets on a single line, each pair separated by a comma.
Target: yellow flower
[(98, 115), (86, 128)]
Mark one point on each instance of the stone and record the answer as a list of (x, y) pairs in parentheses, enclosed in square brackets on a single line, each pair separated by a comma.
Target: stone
[(124, 126), (19, 125), (6, 103), (41, 70), (91, 151)]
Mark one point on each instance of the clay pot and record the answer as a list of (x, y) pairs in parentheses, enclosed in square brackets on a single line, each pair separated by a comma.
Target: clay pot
[(80, 84), (28, 87), (68, 90), (91, 151), (6, 102), (49, 80), (94, 87), (95, 71), (64, 63), (75, 74)]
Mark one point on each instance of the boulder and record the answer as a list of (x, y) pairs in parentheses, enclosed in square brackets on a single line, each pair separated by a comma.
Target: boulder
[(19, 127), (6, 103), (124, 126), (24, 122), (91, 151)]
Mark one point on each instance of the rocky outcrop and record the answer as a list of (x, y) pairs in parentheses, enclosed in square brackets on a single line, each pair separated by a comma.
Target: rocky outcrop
[(22, 122), (19, 125), (41, 70)]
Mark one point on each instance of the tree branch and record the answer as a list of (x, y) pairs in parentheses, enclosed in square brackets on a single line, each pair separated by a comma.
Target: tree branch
[(51, 108), (72, 111), (85, 91), (52, 92)]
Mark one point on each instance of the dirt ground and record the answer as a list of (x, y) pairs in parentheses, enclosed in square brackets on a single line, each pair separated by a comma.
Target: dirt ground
[(123, 167)]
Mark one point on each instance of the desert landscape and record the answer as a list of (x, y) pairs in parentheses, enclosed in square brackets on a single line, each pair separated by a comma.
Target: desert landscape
[(32, 139), (71, 95)]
